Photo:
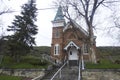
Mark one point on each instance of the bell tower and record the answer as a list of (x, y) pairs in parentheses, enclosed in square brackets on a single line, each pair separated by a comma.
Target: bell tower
[(57, 36), (59, 20)]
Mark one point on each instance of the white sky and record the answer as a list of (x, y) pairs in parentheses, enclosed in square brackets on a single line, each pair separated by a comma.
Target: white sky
[(43, 38)]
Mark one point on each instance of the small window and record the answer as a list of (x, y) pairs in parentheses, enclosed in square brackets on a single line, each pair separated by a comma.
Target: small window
[(70, 52), (57, 34), (85, 48), (56, 49)]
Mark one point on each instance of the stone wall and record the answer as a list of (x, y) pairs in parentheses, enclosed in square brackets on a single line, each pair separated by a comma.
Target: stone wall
[(101, 74), (32, 73), (88, 74)]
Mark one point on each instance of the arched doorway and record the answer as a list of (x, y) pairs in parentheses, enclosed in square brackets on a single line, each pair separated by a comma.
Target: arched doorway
[(72, 53), (73, 56)]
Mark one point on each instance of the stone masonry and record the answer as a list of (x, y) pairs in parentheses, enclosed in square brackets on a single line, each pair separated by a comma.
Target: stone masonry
[(101, 74)]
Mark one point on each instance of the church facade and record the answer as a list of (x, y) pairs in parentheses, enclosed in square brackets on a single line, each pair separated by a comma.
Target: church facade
[(70, 41)]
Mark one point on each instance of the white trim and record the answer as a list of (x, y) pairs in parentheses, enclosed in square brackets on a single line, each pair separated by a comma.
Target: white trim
[(85, 48), (58, 24), (66, 27), (71, 43), (85, 54), (56, 49)]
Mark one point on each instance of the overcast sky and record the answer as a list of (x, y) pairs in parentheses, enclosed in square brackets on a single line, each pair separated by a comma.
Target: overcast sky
[(43, 38)]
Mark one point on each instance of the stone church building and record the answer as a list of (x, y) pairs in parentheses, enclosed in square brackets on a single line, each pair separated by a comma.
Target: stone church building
[(69, 41)]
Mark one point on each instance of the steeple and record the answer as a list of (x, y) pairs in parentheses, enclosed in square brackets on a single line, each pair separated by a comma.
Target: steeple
[(59, 18), (59, 15)]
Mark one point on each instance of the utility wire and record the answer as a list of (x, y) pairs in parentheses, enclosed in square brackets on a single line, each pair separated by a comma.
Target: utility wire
[(70, 6), (12, 11), (47, 8)]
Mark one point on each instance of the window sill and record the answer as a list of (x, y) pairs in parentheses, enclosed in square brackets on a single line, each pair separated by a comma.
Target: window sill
[(85, 53)]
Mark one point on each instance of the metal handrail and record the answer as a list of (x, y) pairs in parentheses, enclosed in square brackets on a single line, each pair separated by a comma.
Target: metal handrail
[(59, 71), (36, 78), (79, 74), (81, 67)]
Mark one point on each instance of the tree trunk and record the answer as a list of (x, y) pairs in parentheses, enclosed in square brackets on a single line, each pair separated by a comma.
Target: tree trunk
[(92, 44)]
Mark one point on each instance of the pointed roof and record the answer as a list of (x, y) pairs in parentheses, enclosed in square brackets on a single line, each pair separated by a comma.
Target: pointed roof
[(59, 15), (74, 24), (70, 44)]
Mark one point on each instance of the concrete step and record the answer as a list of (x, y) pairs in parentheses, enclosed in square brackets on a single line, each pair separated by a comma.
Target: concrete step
[(49, 74), (70, 73), (67, 73)]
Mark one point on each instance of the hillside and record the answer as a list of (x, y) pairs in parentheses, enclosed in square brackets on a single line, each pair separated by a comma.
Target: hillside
[(111, 53), (38, 50)]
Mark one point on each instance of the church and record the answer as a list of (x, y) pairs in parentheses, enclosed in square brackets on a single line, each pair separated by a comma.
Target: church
[(70, 41)]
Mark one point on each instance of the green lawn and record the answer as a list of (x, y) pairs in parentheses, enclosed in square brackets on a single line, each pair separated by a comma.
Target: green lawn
[(104, 64), (5, 77), (27, 62)]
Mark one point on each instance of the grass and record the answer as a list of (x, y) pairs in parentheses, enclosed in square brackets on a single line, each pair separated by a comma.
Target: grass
[(104, 64), (6, 77), (27, 62)]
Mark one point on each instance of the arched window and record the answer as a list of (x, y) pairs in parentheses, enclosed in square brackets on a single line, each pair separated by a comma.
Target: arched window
[(56, 49), (57, 34), (70, 52), (85, 48)]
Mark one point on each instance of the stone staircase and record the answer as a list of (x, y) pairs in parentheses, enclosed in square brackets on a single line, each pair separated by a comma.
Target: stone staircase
[(70, 73), (67, 73), (49, 74)]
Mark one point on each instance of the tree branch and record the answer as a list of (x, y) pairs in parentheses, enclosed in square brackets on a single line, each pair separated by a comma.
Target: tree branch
[(7, 11), (93, 10), (76, 8), (99, 3), (83, 4)]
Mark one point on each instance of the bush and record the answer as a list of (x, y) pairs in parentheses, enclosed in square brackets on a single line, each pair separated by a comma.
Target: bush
[(117, 62), (37, 62)]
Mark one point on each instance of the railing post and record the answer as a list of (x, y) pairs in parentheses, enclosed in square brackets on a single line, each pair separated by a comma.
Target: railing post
[(60, 73), (79, 75), (83, 67)]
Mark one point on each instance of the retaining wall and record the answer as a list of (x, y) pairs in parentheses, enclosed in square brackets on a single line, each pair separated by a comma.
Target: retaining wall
[(101, 74), (32, 73)]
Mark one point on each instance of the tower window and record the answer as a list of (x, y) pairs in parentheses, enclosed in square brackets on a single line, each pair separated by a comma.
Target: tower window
[(56, 49), (57, 34)]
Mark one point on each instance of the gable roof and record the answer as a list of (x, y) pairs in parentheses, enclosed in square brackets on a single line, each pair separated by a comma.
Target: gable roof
[(74, 24), (71, 43)]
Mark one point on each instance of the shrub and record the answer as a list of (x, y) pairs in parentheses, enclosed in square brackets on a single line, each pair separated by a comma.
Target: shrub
[(38, 62), (117, 62)]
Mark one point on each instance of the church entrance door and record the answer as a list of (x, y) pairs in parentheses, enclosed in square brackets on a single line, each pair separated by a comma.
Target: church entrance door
[(73, 56)]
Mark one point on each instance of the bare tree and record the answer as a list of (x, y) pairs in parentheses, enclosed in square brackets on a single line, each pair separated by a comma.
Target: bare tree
[(4, 9), (85, 9)]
